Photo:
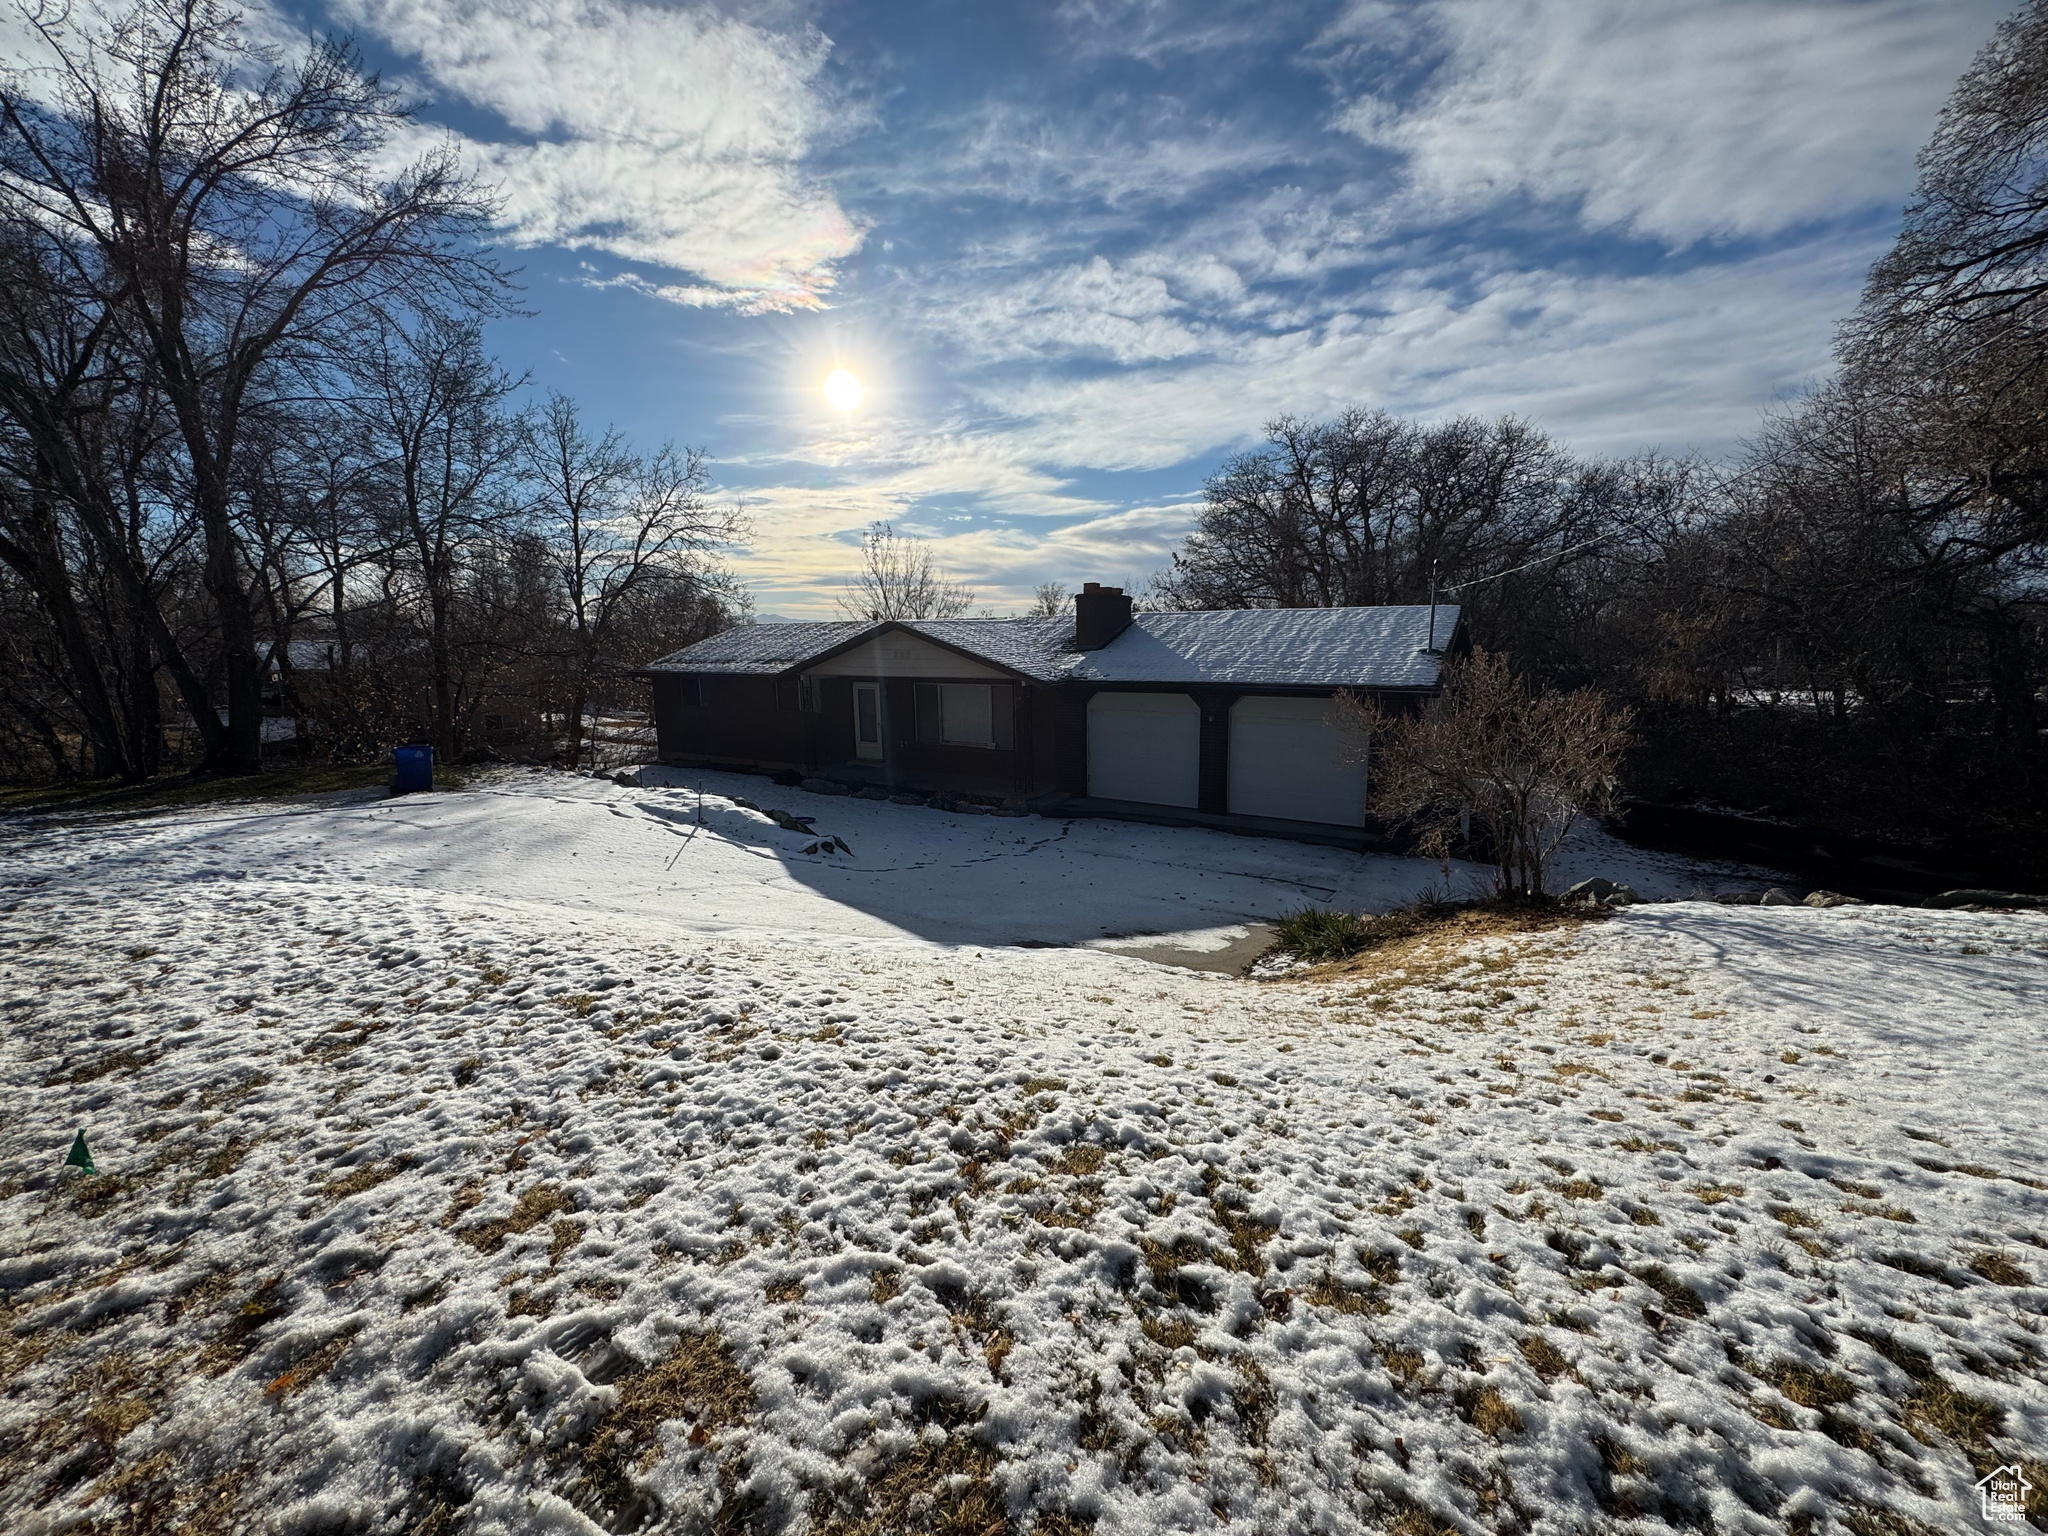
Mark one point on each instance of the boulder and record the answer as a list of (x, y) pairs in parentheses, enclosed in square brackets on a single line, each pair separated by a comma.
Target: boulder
[(1739, 898), (1775, 897), (1833, 899), (1977, 898), (870, 792), (826, 787), (1621, 896), (1593, 890), (906, 798)]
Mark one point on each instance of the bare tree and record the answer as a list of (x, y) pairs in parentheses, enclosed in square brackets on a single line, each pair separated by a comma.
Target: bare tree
[(226, 212), (1973, 255), (1363, 508), (436, 411), (618, 524), (1518, 766), (899, 579), (1048, 600)]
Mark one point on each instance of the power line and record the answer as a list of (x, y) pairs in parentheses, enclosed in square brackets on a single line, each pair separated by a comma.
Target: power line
[(1479, 581)]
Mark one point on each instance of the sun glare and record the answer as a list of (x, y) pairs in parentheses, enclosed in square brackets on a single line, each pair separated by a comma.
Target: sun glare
[(842, 389)]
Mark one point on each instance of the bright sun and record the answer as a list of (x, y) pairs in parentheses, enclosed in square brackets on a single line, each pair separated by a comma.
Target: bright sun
[(842, 389)]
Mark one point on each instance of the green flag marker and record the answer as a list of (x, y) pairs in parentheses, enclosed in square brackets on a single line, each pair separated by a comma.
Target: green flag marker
[(81, 1155)]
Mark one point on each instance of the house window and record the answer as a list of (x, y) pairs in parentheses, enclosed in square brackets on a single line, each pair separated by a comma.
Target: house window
[(956, 714)]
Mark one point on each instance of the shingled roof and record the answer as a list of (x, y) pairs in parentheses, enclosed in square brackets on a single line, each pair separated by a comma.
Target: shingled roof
[(1382, 647)]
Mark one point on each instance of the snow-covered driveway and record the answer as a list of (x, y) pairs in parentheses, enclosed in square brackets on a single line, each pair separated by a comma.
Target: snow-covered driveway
[(448, 1187), (595, 847)]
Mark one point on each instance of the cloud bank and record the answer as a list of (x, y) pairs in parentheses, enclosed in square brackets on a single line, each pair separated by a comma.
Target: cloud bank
[(675, 137)]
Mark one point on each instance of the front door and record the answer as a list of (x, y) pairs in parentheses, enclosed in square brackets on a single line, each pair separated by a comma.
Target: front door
[(867, 720)]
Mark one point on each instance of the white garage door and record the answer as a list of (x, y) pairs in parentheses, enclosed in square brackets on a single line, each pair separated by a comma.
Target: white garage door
[(1145, 746), (1285, 761)]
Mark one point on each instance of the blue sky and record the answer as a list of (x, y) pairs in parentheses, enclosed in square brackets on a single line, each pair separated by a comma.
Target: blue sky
[(1079, 252)]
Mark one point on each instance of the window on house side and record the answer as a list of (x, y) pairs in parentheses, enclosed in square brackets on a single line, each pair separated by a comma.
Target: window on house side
[(966, 715)]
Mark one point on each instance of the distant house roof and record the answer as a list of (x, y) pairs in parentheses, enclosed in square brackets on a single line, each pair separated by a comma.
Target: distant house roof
[(1251, 647)]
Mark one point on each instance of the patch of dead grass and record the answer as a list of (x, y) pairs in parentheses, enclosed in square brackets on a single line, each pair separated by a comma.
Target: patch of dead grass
[(1424, 947), (529, 1211), (696, 1383)]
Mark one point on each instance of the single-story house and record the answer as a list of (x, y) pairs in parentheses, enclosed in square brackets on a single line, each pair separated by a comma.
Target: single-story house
[(1222, 717)]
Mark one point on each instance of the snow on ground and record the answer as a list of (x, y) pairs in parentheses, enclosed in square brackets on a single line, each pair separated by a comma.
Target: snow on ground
[(526, 1160), (595, 847)]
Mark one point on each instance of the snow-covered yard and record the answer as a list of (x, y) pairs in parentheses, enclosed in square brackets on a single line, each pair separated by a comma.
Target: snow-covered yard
[(537, 1158)]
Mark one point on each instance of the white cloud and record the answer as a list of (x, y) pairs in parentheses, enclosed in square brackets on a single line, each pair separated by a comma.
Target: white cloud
[(1090, 309), (1609, 363), (673, 137), (1675, 119)]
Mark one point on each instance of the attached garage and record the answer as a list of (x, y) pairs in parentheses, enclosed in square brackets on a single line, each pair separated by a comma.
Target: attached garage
[(1288, 760), (1145, 747)]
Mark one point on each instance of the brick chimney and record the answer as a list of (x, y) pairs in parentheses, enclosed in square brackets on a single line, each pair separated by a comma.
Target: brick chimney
[(1100, 615)]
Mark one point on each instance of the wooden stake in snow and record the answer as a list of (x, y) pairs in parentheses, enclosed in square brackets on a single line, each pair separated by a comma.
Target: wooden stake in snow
[(81, 1155)]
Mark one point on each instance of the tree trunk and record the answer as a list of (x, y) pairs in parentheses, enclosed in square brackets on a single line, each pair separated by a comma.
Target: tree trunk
[(240, 747), (444, 697), (145, 709), (40, 562)]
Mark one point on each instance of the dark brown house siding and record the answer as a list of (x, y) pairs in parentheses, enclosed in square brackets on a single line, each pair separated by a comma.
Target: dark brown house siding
[(735, 721), (742, 721)]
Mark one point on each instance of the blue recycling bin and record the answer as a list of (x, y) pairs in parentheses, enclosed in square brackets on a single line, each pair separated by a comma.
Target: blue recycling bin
[(415, 769)]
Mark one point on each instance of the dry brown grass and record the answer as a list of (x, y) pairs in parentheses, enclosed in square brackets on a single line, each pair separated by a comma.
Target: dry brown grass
[(1425, 946), (697, 1383), (1080, 1161), (941, 1487), (1248, 1239), (126, 1060), (1941, 1407), (1806, 1385), (1329, 1292), (234, 1340), (1488, 1412), (1404, 1365), (365, 1178), (1169, 1332), (532, 1208), (310, 1367), (1999, 1269), (1544, 1357), (1681, 1298)]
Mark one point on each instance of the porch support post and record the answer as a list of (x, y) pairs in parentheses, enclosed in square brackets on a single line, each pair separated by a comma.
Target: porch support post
[(1215, 752)]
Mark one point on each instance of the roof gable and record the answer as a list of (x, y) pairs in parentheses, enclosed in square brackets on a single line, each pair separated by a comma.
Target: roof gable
[(897, 650)]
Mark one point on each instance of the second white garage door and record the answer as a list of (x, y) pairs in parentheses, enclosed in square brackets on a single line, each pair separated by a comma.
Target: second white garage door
[(1145, 747), (1286, 761)]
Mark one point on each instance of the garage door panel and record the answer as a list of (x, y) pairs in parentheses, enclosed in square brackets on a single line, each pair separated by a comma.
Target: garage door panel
[(1291, 761), (1145, 747)]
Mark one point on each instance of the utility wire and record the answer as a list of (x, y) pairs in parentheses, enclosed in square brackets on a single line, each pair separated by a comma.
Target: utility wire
[(1480, 581)]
